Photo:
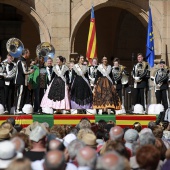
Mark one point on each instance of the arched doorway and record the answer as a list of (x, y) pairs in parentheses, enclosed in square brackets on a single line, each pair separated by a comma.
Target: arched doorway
[(119, 34), (15, 23)]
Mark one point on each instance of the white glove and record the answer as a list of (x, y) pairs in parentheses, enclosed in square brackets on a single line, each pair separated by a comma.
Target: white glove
[(92, 80), (137, 78)]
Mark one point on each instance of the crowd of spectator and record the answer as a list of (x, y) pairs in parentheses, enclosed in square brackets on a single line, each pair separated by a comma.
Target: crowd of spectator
[(86, 146)]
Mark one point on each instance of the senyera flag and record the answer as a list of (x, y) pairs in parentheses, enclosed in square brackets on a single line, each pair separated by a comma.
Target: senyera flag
[(91, 44)]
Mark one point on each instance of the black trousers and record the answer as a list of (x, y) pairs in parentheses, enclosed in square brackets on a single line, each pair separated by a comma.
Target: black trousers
[(21, 97), (119, 92), (162, 98), (36, 99), (41, 94), (2, 95), (9, 96), (139, 96)]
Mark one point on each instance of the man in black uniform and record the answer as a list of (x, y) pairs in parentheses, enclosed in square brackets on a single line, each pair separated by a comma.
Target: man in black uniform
[(50, 72), (2, 83), (161, 85), (120, 77), (21, 81), (140, 75), (10, 70), (92, 71), (42, 78)]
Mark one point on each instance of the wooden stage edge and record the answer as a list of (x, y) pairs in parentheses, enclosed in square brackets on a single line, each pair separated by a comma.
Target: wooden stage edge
[(69, 119)]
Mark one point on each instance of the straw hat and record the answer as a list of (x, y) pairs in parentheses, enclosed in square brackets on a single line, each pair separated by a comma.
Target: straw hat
[(4, 134), (90, 140)]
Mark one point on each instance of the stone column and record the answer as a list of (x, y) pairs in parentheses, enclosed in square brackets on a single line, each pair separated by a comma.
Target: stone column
[(60, 26)]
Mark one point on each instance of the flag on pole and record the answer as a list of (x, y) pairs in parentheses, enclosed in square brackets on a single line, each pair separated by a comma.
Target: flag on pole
[(150, 55), (91, 44)]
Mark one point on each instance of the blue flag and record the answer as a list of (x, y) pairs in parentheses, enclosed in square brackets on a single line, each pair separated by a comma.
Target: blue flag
[(150, 55)]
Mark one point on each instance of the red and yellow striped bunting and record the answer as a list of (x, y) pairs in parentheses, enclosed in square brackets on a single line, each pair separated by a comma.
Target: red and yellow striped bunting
[(23, 120), (121, 120), (71, 119), (129, 120)]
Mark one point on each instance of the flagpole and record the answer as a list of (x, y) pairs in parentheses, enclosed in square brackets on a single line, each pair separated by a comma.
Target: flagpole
[(150, 55), (92, 3), (148, 91)]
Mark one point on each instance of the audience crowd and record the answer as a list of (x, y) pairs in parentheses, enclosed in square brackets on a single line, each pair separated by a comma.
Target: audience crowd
[(86, 146)]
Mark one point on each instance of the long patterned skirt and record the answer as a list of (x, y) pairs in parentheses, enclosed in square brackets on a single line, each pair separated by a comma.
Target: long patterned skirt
[(81, 94), (105, 95), (56, 95)]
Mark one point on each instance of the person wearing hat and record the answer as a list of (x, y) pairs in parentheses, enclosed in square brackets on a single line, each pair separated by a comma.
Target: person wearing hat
[(90, 140), (4, 134), (38, 142), (160, 79), (7, 154)]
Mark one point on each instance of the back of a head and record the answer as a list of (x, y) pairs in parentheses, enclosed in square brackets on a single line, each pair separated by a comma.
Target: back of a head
[(74, 147), (54, 160), (151, 125), (86, 157), (157, 131), (116, 133), (119, 147), (19, 144), (11, 120), (131, 135), (18, 127), (146, 139), (137, 126), (148, 157), (55, 145), (85, 124), (110, 161), (20, 164), (144, 130), (24, 138)]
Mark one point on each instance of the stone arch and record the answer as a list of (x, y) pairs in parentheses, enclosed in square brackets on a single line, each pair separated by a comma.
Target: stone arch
[(137, 9), (33, 15)]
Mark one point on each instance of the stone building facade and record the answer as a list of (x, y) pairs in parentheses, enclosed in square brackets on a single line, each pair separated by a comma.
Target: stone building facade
[(61, 23), (121, 26)]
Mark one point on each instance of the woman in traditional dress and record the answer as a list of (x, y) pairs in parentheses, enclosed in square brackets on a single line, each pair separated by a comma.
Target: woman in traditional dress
[(105, 95), (81, 94), (56, 95)]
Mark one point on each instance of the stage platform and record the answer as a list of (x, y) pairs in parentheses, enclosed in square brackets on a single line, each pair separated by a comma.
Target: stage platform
[(68, 119)]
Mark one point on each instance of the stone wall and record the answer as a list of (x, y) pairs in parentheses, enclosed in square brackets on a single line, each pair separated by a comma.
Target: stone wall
[(58, 21)]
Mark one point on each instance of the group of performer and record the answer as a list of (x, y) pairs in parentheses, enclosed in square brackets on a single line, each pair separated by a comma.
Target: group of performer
[(77, 85)]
